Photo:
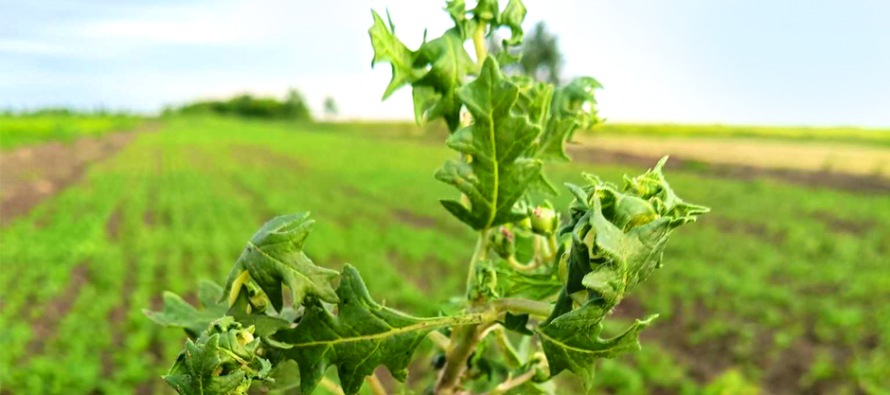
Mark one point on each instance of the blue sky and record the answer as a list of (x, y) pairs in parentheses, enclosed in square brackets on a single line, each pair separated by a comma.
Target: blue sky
[(689, 61)]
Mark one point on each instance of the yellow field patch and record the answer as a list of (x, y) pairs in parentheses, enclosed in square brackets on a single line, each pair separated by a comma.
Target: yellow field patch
[(822, 156)]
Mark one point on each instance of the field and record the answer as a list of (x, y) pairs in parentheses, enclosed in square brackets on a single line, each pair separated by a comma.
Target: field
[(797, 134), (30, 129), (782, 289)]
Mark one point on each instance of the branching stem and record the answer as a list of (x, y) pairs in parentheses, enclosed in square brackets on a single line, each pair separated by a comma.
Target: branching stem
[(523, 267), (512, 383), (523, 306)]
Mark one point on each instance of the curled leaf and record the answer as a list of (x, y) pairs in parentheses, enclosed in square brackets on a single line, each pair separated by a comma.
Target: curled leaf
[(274, 257), (222, 361), (618, 239)]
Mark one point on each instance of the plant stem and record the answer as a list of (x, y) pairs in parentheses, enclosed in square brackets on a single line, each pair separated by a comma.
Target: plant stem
[(479, 43), (463, 342), (464, 339), (511, 357), (376, 385), (554, 247), (439, 339), (523, 306), (331, 386), (512, 383), (478, 255), (522, 267)]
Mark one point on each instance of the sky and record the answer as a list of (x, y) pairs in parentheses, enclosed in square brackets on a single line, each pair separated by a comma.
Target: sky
[(753, 62)]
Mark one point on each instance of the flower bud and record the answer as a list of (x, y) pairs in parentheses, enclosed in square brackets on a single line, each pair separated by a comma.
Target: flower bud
[(503, 242), (544, 219)]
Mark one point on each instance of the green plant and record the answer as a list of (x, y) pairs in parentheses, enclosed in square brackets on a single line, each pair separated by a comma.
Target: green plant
[(548, 280)]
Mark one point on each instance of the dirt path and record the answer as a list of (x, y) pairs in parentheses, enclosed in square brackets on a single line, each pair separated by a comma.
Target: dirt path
[(30, 175)]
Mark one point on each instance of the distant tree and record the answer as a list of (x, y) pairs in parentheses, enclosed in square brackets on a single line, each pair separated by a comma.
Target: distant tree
[(330, 107), (295, 106), (541, 57)]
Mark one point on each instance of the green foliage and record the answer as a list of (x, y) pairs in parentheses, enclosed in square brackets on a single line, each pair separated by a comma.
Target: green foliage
[(292, 108), (618, 240), (330, 106), (24, 129), (612, 241), (495, 175), (222, 361), (274, 257), (179, 313), (362, 336)]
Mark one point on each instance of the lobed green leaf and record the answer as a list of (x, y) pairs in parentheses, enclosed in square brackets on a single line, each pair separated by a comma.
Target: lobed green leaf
[(388, 48), (179, 313), (495, 175), (361, 337), (274, 256), (449, 64)]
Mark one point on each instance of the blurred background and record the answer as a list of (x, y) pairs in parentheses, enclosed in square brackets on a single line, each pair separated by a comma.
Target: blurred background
[(144, 142)]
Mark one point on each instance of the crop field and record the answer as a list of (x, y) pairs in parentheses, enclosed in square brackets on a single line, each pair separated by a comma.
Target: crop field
[(30, 129), (787, 133), (782, 289)]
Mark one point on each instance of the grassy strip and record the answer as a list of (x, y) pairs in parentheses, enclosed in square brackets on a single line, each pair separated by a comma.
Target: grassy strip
[(19, 131)]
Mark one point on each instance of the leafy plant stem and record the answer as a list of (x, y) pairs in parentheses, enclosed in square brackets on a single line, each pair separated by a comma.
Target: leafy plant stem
[(464, 339)]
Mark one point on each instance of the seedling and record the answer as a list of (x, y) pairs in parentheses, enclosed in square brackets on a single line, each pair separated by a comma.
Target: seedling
[(550, 279)]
